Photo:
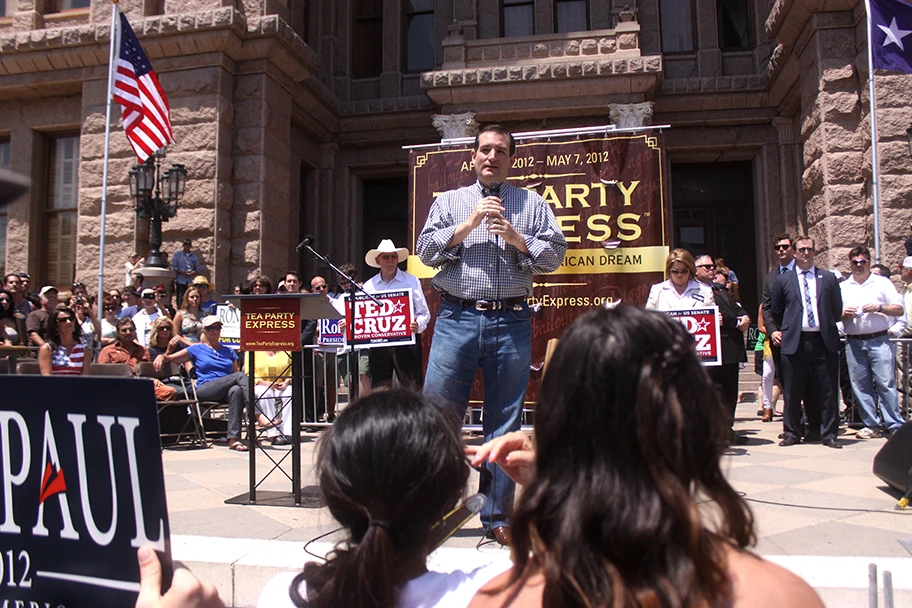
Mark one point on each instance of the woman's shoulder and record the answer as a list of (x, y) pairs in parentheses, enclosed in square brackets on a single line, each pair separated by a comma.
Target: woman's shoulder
[(450, 589), (758, 582)]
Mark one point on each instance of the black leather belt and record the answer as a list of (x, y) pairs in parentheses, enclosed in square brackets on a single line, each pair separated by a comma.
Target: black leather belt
[(505, 304), (878, 334)]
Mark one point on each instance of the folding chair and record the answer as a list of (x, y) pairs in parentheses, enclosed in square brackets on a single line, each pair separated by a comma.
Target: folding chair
[(213, 412), (28, 367), (192, 428), (111, 369)]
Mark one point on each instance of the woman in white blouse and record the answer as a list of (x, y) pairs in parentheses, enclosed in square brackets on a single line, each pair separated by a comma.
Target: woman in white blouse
[(681, 289)]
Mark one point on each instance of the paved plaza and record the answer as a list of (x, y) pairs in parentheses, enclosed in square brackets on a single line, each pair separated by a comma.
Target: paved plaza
[(819, 512)]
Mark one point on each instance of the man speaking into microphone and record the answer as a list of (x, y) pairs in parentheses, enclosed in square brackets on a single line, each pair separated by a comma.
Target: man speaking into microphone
[(487, 240)]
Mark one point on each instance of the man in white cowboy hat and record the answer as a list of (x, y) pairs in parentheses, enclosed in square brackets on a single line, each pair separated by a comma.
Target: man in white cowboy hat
[(487, 239), (404, 360)]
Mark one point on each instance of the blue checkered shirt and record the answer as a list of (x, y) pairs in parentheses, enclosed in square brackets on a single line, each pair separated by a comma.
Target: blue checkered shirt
[(485, 267)]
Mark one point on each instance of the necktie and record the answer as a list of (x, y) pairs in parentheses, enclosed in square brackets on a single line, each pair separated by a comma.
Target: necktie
[(782, 269), (807, 300)]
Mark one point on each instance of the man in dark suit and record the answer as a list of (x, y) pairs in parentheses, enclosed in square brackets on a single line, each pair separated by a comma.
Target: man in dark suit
[(806, 304), (785, 254), (731, 332)]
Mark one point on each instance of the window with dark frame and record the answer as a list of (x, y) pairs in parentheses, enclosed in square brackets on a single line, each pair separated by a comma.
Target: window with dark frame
[(734, 24), (4, 164), (518, 18), (677, 23), (367, 39), (66, 5), (62, 210), (419, 35), (571, 16)]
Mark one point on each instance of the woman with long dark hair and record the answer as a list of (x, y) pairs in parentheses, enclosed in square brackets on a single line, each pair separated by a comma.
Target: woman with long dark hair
[(387, 506), (629, 432), (63, 353), (12, 324)]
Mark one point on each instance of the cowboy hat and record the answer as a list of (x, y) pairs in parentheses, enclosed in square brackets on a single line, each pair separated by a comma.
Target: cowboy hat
[(385, 246), (201, 280)]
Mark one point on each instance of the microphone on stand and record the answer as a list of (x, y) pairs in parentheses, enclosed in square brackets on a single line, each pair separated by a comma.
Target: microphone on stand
[(455, 519), (307, 242)]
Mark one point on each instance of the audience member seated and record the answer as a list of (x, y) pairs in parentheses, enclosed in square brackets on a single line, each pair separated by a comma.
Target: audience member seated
[(146, 316), (187, 323), (218, 378), (12, 323), (36, 323), (126, 350), (130, 303), (89, 326), (161, 339), (62, 353), (108, 320), (389, 469), (261, 285), (272, 371), (624, 501)]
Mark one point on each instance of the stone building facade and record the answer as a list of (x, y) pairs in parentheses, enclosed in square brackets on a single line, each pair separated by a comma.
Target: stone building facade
[(290, 116)]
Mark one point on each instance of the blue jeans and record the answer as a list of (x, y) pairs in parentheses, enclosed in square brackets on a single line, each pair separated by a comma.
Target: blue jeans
[(873, 375), (500, 343)]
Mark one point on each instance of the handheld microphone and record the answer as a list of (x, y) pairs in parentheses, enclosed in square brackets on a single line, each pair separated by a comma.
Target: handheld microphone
[(307, 242), (493, 189), (455, 519)]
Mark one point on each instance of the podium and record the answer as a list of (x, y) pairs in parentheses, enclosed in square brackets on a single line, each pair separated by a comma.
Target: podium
[(273, 323)]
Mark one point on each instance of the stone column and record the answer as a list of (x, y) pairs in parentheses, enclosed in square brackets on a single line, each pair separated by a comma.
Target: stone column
[(832, 183), (790, 206), (259, 234), (630, 115), (454, 126)]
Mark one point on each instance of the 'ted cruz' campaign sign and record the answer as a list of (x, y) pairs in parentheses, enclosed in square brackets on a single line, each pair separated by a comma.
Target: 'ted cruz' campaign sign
[(81, 488), (385, 324), (703, 325)]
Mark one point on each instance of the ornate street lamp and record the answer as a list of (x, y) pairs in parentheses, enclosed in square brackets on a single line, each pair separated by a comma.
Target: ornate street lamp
[(156, 196)]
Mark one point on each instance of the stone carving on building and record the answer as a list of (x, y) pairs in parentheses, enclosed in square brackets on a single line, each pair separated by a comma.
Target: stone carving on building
[(454, 126), (630, 115)]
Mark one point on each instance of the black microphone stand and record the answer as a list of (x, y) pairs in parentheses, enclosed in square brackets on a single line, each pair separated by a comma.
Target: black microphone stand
[(354, 288)]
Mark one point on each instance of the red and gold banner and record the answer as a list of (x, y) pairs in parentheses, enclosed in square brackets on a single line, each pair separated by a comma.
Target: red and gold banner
[(607, 193), (270, 324)]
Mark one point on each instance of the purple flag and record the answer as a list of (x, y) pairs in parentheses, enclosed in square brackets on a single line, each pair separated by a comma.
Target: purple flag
[(891, 35)]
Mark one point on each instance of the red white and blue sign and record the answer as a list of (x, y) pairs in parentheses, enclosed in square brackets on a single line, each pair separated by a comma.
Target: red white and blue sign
[(703, 325), (384, 322)]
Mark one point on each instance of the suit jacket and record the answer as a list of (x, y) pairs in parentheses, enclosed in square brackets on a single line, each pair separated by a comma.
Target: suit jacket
[(787, 307), (768, 281), (732, 338)]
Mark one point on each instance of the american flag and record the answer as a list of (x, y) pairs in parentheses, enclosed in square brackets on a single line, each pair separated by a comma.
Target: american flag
[(146, 116)]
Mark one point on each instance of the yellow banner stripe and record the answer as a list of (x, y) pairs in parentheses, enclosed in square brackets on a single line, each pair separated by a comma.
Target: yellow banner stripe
[(587, 261)]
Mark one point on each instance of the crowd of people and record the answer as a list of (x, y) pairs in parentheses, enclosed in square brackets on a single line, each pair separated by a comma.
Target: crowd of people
[(628, 376), (617, 521)]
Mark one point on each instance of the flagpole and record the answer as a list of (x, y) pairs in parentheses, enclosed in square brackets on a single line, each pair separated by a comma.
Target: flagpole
[(104, 175), (875, 164)]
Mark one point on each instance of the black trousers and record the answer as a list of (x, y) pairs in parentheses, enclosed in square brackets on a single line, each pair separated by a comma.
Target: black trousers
[(811, 375), (725, 377), (404, 360)]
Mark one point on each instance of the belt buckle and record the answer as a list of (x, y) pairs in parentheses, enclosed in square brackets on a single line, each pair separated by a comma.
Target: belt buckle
[(482, 305)]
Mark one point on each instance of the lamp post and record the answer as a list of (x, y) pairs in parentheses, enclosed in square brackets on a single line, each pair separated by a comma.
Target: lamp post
[(156, 195)]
